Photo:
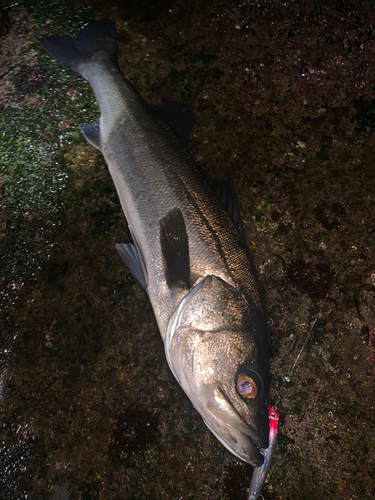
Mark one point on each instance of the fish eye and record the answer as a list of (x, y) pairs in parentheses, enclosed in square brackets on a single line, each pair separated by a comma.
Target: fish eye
[(246, 386)]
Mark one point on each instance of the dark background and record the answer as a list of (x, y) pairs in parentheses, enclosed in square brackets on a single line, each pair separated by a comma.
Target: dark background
[(284, 99)]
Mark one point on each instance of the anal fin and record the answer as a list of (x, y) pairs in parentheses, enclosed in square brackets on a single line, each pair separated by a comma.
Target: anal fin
[(91, 132)]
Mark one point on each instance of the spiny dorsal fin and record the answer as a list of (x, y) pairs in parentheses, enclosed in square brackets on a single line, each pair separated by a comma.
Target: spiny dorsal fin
[(225, 193)]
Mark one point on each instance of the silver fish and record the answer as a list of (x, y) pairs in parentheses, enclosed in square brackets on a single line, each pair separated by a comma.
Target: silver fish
[(188, 249)]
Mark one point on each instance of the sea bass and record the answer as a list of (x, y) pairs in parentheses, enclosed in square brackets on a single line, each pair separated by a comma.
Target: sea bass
[(188, 250)]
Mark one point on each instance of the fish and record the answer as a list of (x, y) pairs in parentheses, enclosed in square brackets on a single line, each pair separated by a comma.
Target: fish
[(188, 248)]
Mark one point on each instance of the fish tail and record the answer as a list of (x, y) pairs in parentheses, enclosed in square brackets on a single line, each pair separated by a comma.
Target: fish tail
[(76, 53)]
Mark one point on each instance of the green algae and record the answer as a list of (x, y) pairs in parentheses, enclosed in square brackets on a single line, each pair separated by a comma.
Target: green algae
[(29, 173), (35, 182), (68, 17)]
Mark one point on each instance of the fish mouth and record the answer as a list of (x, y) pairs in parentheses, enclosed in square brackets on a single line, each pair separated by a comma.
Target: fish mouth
[(231, 430)]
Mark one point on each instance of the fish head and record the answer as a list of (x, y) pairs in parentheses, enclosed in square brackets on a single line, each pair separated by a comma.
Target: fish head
[(217, 348)]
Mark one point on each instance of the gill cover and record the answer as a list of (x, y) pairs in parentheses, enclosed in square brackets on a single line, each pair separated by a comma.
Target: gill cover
[(214, 348)]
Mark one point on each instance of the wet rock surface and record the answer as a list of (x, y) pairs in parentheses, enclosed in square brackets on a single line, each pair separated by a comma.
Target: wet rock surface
[(283, 94)]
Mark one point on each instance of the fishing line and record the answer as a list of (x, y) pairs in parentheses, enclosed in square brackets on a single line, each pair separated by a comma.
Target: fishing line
[(260, 473), (287, 378)]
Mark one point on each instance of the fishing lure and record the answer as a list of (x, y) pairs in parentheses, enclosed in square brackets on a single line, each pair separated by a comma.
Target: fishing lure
[(260, 473)]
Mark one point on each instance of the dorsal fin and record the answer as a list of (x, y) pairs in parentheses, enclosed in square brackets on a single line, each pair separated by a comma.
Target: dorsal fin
[(179, 118), (225, 193)]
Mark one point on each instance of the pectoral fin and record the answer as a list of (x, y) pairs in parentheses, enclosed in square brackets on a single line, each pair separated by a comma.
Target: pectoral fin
[(175, 249)]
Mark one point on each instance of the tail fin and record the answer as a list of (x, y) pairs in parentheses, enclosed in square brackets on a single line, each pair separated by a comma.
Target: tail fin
[(75, 52)]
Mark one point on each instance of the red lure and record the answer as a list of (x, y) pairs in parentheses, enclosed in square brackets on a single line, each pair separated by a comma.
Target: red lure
[(260, 473)]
